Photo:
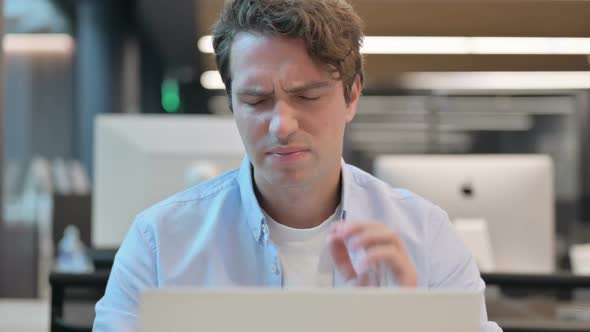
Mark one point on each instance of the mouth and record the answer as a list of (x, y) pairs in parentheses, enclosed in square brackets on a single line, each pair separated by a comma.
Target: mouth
[(288, 153), (283, 151)]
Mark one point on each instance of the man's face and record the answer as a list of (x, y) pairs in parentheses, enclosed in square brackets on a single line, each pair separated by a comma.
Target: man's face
[(290, 114)]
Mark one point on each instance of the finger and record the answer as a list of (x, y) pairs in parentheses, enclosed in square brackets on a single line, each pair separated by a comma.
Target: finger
[(371, 237), (387, 255), (393, 259), (341, 258), (362, 280)]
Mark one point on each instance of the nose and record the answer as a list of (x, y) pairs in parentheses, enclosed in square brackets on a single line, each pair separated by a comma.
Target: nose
[(284, 121)]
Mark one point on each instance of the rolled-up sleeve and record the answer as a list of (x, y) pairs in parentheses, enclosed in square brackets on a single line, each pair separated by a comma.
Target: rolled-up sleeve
[(134, 269), (451, 264)]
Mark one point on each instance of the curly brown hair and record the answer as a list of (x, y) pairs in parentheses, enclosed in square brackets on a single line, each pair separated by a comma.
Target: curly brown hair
[(331, 30)]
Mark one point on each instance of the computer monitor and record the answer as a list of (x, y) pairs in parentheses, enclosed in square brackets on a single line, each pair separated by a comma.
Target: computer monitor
[(142, 159), (342, 310), (512, 193)]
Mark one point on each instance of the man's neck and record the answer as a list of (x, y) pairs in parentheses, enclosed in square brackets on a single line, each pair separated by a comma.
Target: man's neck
[(300, 208)]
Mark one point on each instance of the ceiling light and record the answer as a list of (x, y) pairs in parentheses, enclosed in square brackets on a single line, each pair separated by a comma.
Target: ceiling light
[(38, 43), (212, 80), (205, 44), (496, 80), (461, 45), (476, 45)]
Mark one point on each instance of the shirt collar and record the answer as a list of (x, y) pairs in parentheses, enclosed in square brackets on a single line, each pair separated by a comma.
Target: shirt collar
[(253, 212), (250, 204), (345, 185)]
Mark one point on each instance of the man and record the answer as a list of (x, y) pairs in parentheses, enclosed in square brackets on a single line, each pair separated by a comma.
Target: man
[(294, 214)]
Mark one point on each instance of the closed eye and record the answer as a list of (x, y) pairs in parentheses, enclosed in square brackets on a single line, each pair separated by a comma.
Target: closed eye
[(255, 102), (307, 98)]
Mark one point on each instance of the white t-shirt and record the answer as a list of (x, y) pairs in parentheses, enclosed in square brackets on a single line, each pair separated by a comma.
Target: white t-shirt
[(304, 253)]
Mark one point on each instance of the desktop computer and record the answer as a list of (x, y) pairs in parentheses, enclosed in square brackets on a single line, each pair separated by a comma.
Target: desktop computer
[(512, 193), (142, 159)]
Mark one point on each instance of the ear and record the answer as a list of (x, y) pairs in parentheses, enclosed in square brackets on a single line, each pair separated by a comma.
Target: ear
[(355, 95)]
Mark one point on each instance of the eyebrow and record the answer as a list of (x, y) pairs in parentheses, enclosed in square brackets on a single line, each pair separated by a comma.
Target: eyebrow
[(309, 86), (255, 92)]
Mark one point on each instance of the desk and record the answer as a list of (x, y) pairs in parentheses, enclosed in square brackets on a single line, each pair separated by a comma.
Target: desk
[(542, 325), (557, 281), (536, 313), (102, 258), (81, 291), (24, 315)]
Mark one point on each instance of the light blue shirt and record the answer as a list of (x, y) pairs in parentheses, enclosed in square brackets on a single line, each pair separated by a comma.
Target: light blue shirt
[(215, 235)]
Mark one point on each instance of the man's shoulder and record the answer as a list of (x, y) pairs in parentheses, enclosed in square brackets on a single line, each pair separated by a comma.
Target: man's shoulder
[(362, 180), (383, 194), (180, 218), (196, 196)]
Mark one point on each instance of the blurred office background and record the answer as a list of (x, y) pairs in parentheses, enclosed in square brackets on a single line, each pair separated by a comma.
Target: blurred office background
[(106, 102)]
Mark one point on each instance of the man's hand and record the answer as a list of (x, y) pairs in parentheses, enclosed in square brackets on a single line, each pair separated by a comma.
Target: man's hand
[(382, 248)]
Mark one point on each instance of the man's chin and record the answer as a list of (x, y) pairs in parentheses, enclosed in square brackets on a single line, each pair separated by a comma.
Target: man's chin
[(294, 178)]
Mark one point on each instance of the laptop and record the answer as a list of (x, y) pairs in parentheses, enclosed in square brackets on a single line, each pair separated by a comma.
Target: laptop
[(323, 310)]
